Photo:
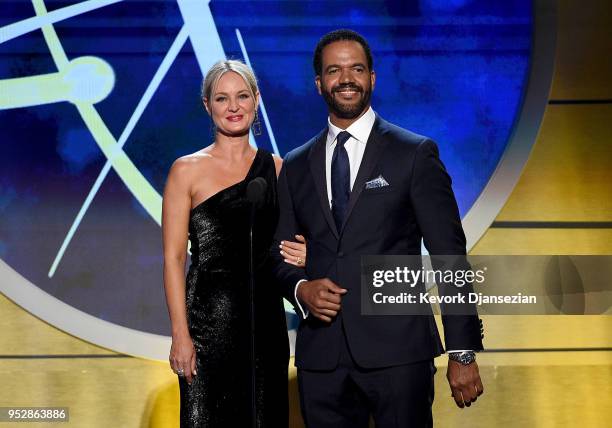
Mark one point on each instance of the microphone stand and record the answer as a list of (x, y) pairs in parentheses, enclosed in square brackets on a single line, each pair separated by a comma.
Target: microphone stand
[(255, 193), (252, 313)]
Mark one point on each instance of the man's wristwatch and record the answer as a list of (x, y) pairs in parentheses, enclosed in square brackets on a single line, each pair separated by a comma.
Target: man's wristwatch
[(465, 357)]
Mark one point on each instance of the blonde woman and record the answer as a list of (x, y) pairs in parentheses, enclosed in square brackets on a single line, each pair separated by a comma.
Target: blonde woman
[(205, 201)]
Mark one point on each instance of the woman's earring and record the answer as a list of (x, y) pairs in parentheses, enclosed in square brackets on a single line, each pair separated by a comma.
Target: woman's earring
[(256, 126)]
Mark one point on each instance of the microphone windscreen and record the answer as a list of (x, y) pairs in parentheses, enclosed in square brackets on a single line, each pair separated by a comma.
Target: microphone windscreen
[(256, 190)]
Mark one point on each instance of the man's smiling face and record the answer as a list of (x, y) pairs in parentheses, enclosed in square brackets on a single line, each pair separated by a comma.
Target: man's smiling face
[(346, 82)]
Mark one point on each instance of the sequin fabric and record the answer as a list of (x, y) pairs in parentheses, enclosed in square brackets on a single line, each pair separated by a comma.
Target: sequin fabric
[(218, 311)]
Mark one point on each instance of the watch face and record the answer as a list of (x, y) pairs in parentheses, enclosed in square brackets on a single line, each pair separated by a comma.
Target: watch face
[(467, 359), (464, 358), (98, 99)]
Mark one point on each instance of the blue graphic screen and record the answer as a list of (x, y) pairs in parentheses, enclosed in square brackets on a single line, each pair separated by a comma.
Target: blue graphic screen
[(85, 229)]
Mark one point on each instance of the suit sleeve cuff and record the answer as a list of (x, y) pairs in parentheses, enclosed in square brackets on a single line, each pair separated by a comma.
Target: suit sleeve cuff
[(297, 302), (459, 350)]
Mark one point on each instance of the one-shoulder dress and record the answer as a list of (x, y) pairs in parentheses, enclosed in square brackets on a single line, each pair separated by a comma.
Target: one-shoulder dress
[(218, 315)]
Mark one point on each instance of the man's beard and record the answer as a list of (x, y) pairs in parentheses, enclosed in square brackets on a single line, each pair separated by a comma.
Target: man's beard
[(346, 111)]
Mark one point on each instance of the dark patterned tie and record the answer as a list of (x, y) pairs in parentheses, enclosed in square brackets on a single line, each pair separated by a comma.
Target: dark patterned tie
[(340, 179)]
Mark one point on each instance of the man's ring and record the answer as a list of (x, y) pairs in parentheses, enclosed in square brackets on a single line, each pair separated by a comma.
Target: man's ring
[(299, 261)]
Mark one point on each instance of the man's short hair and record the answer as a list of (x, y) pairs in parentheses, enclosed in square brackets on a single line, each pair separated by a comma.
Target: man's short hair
[(336, 36)]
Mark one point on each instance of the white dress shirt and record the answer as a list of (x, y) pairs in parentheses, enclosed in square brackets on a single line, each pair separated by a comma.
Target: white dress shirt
[(355, 145)]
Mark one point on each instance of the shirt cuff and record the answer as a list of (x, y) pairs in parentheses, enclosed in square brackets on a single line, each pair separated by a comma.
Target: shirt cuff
[(304, 313)]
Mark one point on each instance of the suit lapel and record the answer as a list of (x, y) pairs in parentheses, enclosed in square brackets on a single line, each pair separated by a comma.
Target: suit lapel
[(374, 148), (317, 169)]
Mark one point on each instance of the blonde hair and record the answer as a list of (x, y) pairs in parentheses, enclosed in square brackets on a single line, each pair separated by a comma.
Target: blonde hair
[(209, 83)]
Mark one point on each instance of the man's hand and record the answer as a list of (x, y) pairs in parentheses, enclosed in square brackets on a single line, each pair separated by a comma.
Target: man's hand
[(321, 297), (464, 382)]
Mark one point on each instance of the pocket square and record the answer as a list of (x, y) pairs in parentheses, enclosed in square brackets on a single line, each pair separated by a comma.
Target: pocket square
[(376, 183)]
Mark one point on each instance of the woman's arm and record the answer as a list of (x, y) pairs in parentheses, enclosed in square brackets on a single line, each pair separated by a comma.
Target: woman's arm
[(175, 219), (293, 253)]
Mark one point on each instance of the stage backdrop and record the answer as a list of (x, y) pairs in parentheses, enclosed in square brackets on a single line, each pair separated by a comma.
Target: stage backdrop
[(99, 97)]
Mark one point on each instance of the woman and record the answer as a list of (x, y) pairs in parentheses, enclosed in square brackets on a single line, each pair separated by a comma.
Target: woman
[(205, 199)]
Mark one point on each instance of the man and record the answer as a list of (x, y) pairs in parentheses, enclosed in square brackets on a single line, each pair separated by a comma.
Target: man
[(350, 365)]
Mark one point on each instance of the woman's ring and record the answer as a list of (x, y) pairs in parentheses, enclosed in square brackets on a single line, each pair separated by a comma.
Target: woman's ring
[(180, 372), (299, 261)]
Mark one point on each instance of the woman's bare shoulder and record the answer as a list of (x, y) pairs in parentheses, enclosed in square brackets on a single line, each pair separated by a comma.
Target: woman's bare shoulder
[(192, 163)]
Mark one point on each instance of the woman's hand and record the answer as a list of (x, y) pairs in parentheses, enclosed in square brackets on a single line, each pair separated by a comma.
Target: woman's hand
[(183, 357), (294, 253)]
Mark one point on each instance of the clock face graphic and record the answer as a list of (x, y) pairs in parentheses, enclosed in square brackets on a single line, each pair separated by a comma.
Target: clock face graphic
[(98, 97)]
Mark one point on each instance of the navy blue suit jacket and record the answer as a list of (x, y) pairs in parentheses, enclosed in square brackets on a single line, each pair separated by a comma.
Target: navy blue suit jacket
[(418, 204)]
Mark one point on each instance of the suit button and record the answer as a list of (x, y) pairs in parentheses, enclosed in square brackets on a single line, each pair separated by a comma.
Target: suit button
[(340, 254)]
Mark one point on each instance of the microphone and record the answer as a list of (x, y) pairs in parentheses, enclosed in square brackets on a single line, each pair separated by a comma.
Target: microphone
[(255, 193), (256, 190)]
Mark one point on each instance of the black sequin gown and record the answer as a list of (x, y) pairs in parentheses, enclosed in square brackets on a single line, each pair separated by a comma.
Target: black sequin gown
[(218, 311)]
